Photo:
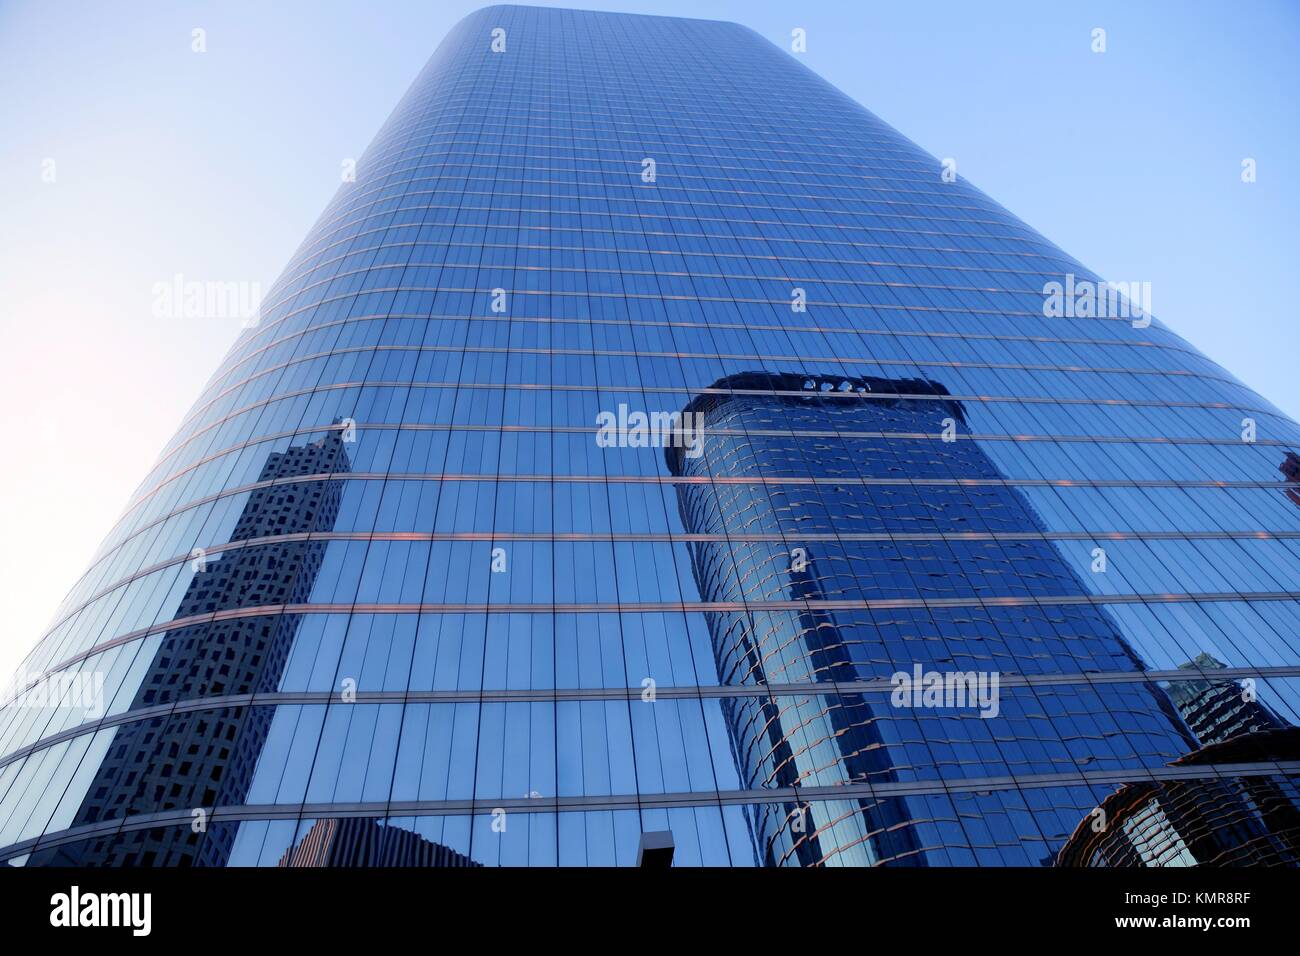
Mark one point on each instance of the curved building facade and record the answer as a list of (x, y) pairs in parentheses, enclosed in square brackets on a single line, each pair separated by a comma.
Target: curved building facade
[(652, 454)]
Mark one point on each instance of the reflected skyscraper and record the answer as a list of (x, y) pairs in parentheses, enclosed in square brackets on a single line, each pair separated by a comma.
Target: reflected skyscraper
[(1247, 820), (185, 755), (395, 572), (819, 523), (359, 841), (1219, 710), (1252, 820), (1290, 467)]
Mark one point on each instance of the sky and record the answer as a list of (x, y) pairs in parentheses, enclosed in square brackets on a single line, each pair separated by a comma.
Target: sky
[(127, 158)]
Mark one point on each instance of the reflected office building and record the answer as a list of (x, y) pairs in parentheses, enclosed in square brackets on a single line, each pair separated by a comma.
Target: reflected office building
[(363, 841), (184, 754), (817, 523), (652, 457), (1252, 819)]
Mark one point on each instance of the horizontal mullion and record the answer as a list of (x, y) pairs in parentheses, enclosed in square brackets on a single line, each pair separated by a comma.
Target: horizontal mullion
[(543, 695), (642, 801)]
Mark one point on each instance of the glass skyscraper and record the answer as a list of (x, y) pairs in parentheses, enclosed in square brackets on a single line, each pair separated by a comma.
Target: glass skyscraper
[(652, 454)]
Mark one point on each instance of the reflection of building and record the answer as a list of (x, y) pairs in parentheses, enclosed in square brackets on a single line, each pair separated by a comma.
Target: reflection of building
[(1290, 467), (1246, 820), (365, 841), (1242, 820), (1218, 710), (852, 535), (206, 758)]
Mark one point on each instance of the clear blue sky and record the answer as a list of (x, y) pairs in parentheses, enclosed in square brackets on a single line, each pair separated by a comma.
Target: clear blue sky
[(215, 165)]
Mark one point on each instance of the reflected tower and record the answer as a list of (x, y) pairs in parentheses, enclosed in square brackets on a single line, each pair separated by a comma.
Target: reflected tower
[(188, 756), (1250, 820), (889, 503)]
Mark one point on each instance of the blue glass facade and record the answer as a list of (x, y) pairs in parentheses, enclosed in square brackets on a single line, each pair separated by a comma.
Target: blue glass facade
[(399, 593)]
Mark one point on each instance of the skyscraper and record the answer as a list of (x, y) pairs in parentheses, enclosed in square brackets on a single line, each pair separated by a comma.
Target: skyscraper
[(650, 440)]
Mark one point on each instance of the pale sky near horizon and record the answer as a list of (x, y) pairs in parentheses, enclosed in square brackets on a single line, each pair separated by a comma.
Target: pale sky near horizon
[(214, 165)]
